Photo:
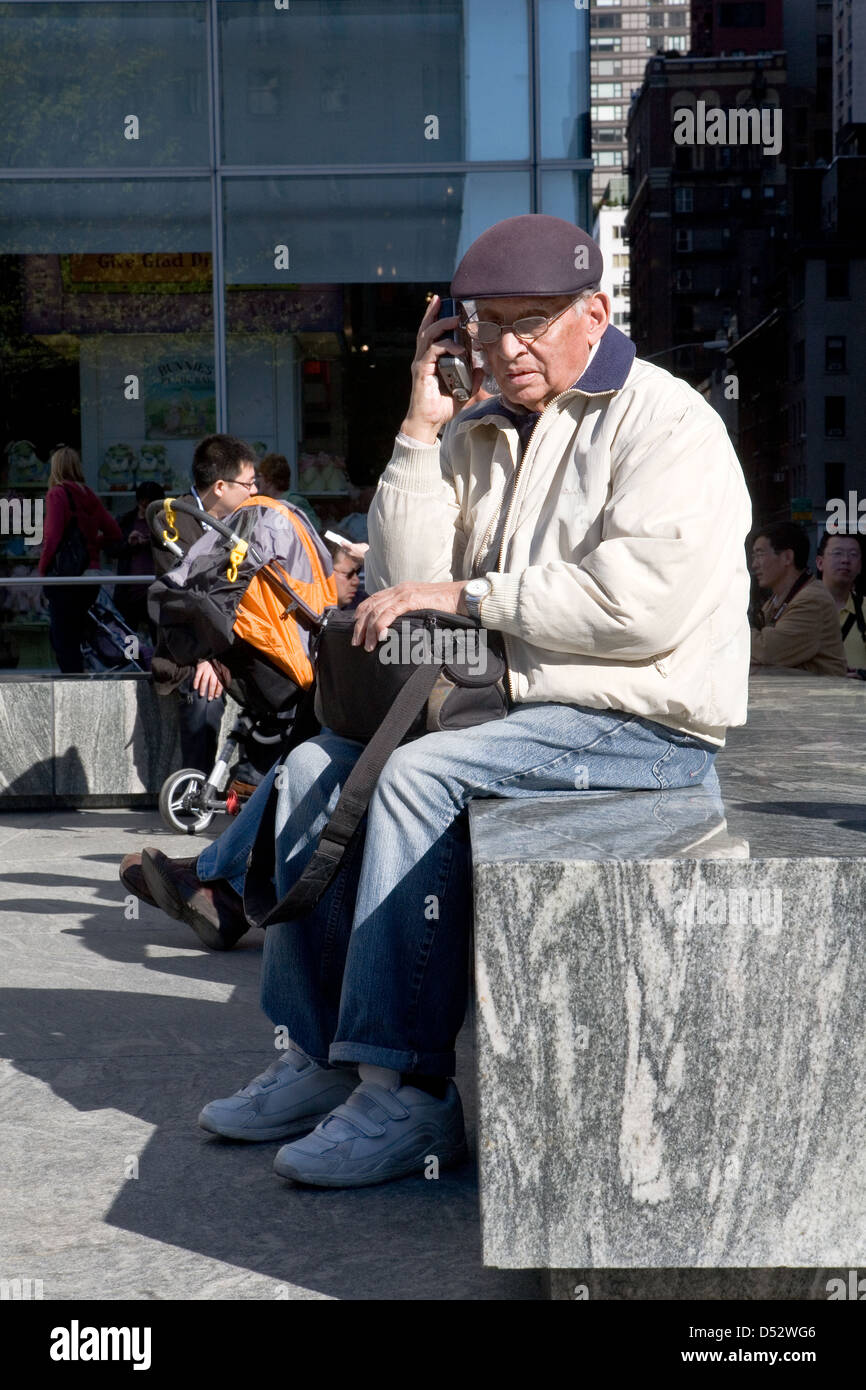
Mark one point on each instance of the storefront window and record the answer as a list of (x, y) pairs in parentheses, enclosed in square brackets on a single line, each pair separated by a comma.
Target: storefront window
[(103, 85), (563, 81), (331, 82), (108, 337), (326, 282)]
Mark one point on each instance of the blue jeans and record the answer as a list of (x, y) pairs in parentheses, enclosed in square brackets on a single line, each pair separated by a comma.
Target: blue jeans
[(377, 971)]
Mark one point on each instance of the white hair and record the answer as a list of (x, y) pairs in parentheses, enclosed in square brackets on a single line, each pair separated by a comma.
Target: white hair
[(583, 299)]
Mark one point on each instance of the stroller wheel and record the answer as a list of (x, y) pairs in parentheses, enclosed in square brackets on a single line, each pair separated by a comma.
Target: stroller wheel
[(180, 802)]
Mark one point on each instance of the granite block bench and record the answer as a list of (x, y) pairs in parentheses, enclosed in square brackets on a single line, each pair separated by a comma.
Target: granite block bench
[(670, 992), (84, 741)]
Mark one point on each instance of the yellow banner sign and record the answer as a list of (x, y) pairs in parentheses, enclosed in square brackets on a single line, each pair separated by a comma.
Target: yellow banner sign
[(140, 268)]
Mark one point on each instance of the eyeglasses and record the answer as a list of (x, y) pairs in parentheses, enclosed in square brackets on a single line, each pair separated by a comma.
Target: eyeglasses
[(239, 482), (525, 330)]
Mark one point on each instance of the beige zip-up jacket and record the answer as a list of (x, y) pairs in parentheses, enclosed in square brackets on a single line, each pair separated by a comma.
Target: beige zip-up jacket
[(615, 547)]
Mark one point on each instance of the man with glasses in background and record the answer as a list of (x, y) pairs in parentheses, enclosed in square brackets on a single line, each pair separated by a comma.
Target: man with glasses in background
[(593, 514), (223, 476), (798, 624)]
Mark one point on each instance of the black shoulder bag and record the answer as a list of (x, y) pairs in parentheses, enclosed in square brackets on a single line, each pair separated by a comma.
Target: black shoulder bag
[(72, 555), (433, 672)]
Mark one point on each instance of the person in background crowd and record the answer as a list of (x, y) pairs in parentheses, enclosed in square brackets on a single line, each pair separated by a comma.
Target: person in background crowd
[(70, 501), (274, 478), (348, 565), (224, 474), (134, 557), (840, 565), (798, 625)]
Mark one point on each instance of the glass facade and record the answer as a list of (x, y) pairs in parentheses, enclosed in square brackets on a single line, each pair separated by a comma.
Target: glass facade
[(229, 214)]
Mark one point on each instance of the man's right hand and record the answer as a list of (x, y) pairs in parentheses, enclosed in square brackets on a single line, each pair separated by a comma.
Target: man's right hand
[(430, 406), (206, 681)]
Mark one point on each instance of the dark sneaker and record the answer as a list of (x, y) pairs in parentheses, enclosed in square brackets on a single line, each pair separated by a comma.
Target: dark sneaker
[(132, 878), (213, 910), (377, 1135)]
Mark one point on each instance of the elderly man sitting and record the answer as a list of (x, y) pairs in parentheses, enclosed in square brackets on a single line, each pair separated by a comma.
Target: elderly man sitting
[(594, 515)]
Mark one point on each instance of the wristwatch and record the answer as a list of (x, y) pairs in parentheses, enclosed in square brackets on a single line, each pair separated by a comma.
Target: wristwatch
[(474, 594)]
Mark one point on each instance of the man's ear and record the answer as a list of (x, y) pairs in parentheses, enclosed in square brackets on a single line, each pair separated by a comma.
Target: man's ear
[(819, 563), (598, 312)]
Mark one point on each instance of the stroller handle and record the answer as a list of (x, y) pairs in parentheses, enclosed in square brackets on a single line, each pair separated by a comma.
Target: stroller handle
[(276, 578)]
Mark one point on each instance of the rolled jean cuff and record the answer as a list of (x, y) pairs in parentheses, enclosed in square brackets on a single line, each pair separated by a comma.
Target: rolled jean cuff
[(425, 1063), (205, 870), (204, 864)]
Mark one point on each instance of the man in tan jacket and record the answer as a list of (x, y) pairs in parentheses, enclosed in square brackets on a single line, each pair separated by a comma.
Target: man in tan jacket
[(594, 515), (799, 625)]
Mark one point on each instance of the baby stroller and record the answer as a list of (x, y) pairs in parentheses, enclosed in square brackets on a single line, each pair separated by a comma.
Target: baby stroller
[(251, 595)]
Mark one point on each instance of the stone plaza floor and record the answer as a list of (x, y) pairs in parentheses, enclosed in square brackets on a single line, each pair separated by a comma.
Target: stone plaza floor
[(115, 1032)]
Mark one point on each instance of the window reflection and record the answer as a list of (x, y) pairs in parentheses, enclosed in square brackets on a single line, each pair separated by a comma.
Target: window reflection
[(334, 82), (73, 76)]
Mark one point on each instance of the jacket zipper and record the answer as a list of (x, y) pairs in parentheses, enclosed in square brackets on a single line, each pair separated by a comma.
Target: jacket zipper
[(514, 486)]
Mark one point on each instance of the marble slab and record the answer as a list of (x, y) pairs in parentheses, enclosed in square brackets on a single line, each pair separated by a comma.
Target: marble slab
[(670, 991), (112, 737), (26, 751)]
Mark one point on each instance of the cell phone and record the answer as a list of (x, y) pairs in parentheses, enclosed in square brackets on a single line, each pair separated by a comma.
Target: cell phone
[(454, 372)]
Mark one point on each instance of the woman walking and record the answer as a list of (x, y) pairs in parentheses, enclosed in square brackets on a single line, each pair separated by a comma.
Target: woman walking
[(77, 527)]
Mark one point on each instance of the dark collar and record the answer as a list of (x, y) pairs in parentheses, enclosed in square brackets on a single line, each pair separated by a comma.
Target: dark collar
[(606, 373), (609, 368)]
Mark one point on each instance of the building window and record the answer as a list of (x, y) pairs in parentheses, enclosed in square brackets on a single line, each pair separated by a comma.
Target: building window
[(834, 354), (607, 113), (620, 262), (834, 417), (606, 45), (683, 239), (605, 89), (684, 199), (743, 14), (834, 479), (837, 280), (606, 159), (680, 42), (683, 279)]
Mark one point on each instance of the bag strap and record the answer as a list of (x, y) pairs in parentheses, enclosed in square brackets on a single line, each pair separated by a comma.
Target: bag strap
[(855, 617), (350, 808)]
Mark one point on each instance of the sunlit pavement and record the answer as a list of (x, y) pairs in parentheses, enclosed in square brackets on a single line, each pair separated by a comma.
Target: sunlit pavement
[(115, 1032)]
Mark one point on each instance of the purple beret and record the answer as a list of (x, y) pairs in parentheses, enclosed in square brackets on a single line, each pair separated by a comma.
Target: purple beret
[(532, 254)]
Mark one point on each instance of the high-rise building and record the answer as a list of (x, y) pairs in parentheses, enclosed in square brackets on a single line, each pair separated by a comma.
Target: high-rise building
[(610, 233), (849, 68), (705, 219), (729, 28), (623, 35)]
